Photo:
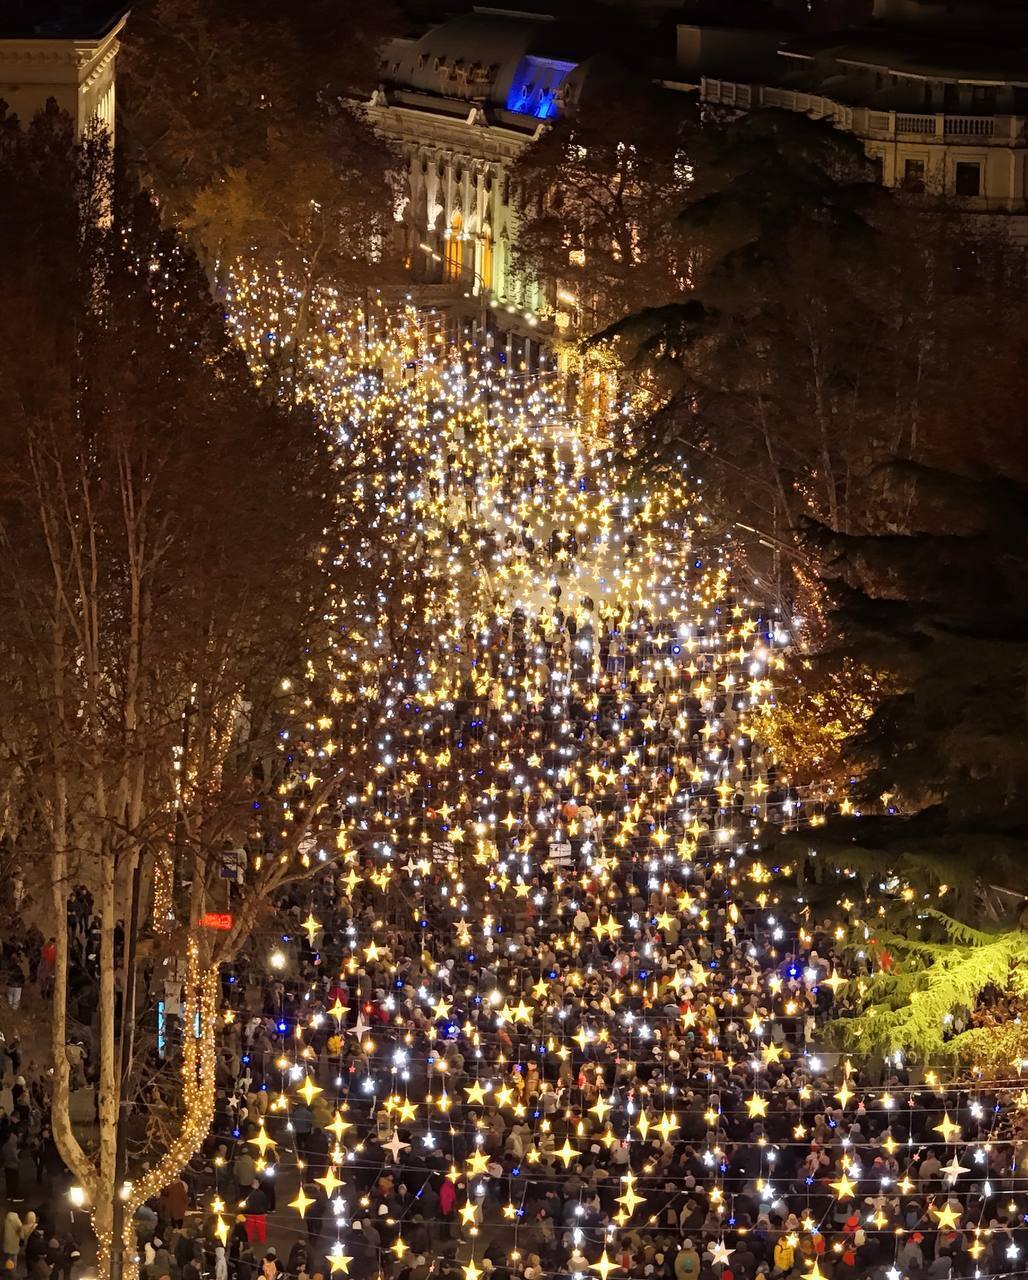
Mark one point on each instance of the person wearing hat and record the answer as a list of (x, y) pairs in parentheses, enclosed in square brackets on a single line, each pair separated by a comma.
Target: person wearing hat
[(11, 1240), (687, 1263), (246, 1263), (910, 1255), (846, 1267)]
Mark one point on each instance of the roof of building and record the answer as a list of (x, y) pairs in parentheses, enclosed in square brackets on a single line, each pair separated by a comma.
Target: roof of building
[(59, 19), (920, 55), (512, 62)]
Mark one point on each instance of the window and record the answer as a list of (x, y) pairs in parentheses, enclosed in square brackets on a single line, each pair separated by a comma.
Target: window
[(913, 175), (453, 259), (968, 180), (487, 258)]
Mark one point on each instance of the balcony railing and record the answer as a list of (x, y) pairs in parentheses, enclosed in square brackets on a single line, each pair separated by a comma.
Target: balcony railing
[(914, 124), (888, 124)]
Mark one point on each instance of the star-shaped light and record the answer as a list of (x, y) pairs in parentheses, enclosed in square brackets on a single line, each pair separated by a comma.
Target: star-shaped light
[(629, 1198), (721, 1254), (302, 1202), (946, 1218), (330, 1182), (262, 1142), (338, 1127), (604, 1266), (947, 1128), (337, 1260), (309, 1090), (394, 1146), (567, 1153)]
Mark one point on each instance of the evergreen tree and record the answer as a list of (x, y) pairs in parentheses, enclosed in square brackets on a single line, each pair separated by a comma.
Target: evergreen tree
[(815, 334), (940, 992), (844, 372)]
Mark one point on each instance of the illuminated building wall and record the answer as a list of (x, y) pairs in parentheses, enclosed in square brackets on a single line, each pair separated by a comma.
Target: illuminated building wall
[(74, 65), (460, 104)]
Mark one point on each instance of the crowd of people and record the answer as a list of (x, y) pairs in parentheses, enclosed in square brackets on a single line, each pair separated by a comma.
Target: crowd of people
[(551, 1015), (596, 1044)]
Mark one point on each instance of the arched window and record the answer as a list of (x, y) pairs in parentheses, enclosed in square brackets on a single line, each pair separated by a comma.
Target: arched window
[(453, 259), (487, 258)]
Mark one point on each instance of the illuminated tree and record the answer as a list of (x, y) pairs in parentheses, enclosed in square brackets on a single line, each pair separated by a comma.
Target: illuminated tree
[(243, 120), (164, 581), (816, 712)]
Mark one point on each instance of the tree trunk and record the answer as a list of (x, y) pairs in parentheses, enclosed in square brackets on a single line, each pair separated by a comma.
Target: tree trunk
[(109, 1085)]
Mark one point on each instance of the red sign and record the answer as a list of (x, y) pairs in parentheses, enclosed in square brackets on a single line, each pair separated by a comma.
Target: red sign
[(220, 920)]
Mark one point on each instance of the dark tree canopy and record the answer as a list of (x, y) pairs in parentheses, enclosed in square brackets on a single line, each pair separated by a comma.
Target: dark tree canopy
[(244, 120), (818, 333), (596, 197)]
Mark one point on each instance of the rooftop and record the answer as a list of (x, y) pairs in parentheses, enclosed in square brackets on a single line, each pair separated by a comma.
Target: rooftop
[(922, 54), (520, 64)]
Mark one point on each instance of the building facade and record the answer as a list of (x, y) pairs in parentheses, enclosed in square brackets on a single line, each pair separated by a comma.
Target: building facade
[(70, 59), (937, 96), (460, 104)]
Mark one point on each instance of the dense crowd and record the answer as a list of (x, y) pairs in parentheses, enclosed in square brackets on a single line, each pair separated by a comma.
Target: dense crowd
[(550, 1014), (585, 1050)]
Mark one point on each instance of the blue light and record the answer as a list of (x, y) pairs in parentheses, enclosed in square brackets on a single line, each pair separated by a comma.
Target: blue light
[(533, 91)]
